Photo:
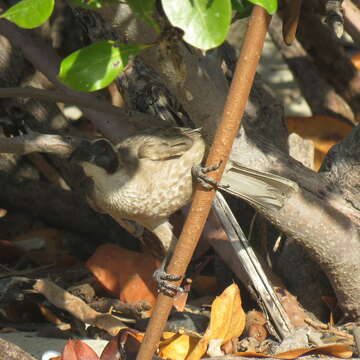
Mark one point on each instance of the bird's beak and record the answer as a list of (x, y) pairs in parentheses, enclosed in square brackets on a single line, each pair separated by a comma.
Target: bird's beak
[(82, 153)]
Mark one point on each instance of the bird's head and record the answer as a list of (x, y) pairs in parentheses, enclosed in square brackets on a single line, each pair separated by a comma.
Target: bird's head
[(99, 152)]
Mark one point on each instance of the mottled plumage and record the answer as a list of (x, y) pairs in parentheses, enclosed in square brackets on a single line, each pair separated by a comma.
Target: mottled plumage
[(150, 180)]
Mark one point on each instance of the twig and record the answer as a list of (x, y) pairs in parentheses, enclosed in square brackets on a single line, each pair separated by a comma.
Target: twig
[(59, 145), (291, 20), (77, 307), (134, 309), (47, 170), (61, 96), (10, 272), (326, 328), (223, 141)]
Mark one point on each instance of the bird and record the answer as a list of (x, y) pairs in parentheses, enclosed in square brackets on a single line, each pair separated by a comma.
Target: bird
[(150, 175)]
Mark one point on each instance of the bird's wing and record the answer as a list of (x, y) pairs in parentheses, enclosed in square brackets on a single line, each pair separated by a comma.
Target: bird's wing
[(166, 143), (257, 187)]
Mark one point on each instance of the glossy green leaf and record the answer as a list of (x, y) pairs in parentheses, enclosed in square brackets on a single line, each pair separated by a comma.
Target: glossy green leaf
[(269, 5), (144, 9), (242, 7), (205, 22), (29, 14), (96, 66)]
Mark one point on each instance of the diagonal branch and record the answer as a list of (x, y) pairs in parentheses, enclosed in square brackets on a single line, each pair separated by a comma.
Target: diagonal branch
[(61, 146), (61, 96)]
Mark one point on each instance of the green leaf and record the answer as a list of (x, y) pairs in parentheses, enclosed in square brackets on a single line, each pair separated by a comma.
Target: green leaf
[(204, 22), (144, 9), (96, 66), (269, 5), (243, 8), (29, 14)]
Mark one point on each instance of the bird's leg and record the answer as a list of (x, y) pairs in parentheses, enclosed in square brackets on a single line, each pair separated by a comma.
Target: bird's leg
[(199, 173), (165, 234)]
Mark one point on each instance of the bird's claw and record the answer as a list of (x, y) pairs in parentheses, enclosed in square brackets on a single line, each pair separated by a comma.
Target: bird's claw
[(162, 278), (199, 173)]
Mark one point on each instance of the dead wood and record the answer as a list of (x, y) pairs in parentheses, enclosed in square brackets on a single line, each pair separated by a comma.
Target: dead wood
[(59, 208), (78, 308)]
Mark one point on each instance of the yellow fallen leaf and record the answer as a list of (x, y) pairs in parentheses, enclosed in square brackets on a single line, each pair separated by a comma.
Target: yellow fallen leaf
[(338, 350), (176, 346), (227, 320)]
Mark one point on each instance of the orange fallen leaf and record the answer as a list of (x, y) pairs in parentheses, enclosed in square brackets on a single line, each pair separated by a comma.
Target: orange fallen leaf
[(356, 60), (325, 131), (124, 273), (78, 350), (338, 350), (180, 298)]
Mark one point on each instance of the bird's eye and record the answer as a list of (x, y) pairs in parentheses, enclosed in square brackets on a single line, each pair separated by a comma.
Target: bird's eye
[(102, 147)]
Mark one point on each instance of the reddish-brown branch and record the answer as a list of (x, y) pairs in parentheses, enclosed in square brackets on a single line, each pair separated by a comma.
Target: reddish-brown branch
[(223, 141), (291, 20), (329, 57)]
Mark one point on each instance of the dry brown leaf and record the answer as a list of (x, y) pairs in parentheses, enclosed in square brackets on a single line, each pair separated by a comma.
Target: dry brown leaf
[(338, 350), (291, 306), (205, 285), (227, 320), (255, 325)]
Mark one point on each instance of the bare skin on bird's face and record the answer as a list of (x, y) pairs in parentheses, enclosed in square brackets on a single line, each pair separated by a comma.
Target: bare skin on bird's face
[(145, 178)]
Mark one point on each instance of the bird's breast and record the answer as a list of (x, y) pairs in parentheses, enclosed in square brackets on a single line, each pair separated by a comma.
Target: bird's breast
[(156, 189)]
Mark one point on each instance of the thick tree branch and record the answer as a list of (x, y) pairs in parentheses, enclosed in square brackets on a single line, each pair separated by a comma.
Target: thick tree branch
[(330, 58), (61, 96), (320, 96), (61, 146), (44, 59), (352, 20), (59, 208)]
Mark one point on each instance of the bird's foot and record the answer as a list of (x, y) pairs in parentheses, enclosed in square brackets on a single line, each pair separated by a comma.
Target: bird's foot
[(199, 173), (162, 278)]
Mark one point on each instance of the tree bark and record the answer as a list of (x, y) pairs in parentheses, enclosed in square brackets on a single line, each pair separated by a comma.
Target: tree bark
[(330, 58), (321, 97)]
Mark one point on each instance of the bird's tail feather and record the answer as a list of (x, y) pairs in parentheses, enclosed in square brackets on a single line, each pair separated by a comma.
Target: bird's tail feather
[(257, 187)]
